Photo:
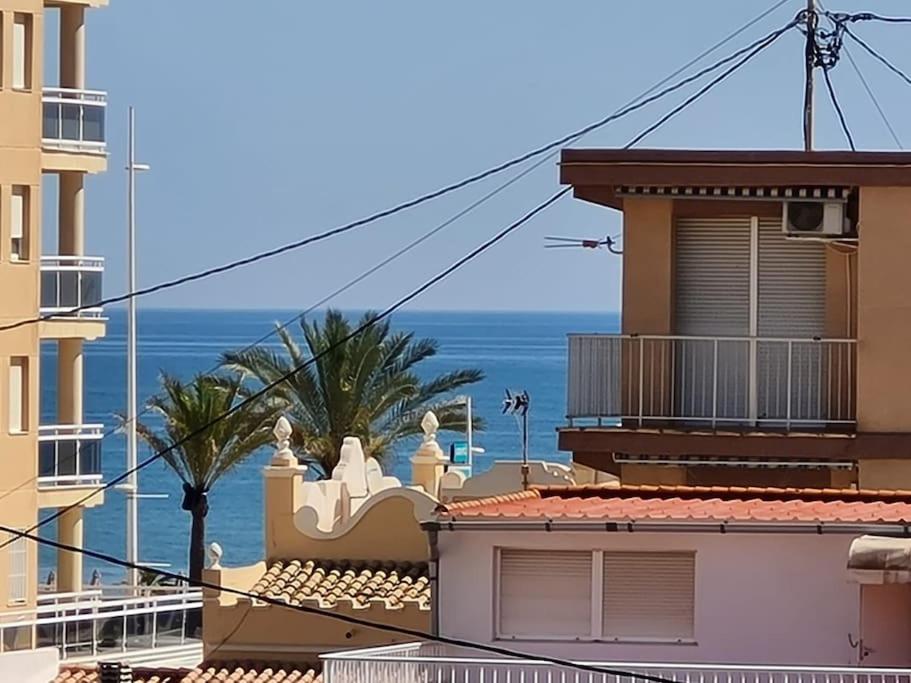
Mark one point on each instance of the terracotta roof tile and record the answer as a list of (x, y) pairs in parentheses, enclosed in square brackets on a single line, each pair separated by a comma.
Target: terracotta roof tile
[(327, 583), (692, 503), (217, 672)]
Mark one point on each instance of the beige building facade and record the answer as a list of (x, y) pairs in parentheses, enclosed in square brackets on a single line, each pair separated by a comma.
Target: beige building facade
[(51, 138), (749, 353)]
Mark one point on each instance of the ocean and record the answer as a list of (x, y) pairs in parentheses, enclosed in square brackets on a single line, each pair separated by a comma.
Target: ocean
[(516, 350)]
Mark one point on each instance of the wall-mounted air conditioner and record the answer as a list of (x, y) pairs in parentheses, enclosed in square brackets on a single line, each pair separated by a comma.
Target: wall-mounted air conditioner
[(815, 219)]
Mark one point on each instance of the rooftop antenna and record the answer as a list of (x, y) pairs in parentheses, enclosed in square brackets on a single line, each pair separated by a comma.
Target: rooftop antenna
[(609, 243), (809, 122), (517, 404)]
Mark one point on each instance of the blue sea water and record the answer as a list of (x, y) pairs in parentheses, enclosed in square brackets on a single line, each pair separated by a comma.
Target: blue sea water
[(515, 350)]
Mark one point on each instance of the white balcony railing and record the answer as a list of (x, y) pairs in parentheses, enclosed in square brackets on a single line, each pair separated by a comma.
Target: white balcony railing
[(726, 381), (71, 282), (416, 663), (101, 623), (69, 455), (74, 120)]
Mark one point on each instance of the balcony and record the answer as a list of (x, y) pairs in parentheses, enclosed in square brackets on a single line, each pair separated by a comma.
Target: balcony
[(419, 663), (69, 455), (712, 381), (73, 133), (645, 388), (144, 623), (68, 283)]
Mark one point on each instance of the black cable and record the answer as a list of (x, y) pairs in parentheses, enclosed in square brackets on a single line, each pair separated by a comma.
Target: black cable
[(838, 110), (873, 98), (870, 16), (268, 387), (348, 619), (400, 207), (894, 69), (757, 47), (474, 205)]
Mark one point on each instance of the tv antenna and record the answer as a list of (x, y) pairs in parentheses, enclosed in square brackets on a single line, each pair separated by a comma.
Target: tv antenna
[(517, 405), (609, 243)]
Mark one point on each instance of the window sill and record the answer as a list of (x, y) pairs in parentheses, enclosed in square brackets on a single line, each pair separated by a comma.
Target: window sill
[(23, 432)]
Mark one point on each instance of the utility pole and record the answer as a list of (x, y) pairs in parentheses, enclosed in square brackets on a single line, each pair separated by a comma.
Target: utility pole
[(131, 487), (810, 58)]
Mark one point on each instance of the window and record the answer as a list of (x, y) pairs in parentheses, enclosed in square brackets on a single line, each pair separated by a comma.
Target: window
[(18, 570), (648, 595), (545, 594), (22, 51), (18, 395), (19, 222), (596, 595)]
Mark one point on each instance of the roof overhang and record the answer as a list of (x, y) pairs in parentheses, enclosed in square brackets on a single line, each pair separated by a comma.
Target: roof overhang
[(595, 174)]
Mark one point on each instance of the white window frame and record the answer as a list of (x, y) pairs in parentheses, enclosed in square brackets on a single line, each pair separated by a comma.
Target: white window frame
[(21, 52), (20, 200), (21, 397), (597, 602), (18, 560)]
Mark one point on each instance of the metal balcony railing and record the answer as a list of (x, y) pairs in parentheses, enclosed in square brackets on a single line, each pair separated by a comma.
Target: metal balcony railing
[(712, 381), (417, 663), (69, 455), (70, 282), (99, 622), (74, 120)]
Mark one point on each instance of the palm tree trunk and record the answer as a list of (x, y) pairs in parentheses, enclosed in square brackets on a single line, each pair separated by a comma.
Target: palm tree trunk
[(197, 542)]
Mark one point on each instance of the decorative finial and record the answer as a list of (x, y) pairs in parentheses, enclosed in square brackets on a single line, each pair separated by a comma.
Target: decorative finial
[(283, 456), (430, 424), (215, 553)]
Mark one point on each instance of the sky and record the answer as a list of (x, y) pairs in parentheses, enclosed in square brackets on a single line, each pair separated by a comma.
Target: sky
[(266, 123)]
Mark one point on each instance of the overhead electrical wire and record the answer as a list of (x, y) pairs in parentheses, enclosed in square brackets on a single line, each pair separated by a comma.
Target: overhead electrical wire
[(862, 78), (503, 186), (292, 246), (350, 619), (838, 109), (879, 57), (487, 244), (751, 49)]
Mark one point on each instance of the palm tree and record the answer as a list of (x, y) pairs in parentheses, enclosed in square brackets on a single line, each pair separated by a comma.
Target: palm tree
[(213, 451), (365, 387)]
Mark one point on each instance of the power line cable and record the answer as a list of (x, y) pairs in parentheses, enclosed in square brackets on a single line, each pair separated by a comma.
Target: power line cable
[(759, 46), (873, 98), (398, 208), (695, 60), (752, 49), (838, 110), (879, 57), (487, 244), (349, 619)]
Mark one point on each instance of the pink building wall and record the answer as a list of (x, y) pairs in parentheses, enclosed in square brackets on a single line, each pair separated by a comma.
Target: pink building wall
[(760, 598)]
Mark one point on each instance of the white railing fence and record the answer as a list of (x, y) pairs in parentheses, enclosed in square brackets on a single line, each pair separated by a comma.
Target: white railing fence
[(422, 664), (69, 282), (89, 624), (69, 455), (727, 381), (74, 120)]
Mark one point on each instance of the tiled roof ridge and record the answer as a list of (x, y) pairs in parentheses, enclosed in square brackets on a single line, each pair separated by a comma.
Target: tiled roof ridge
[(534, 492), (721, 492)]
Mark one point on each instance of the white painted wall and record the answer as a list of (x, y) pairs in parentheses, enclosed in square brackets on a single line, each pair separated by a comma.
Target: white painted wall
[(760, 598), (30, 666)]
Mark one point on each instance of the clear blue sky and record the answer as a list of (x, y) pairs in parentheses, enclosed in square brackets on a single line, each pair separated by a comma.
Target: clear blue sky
[(264, 123)]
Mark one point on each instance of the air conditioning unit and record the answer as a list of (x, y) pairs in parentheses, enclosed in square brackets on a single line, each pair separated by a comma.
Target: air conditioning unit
[(815, 218)]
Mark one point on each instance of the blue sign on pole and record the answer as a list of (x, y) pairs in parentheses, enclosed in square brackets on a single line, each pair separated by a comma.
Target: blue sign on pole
[(458, 453)]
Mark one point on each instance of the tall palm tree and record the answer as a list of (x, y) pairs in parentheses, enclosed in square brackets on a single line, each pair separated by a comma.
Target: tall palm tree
[(204, 458), (365, 387)]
